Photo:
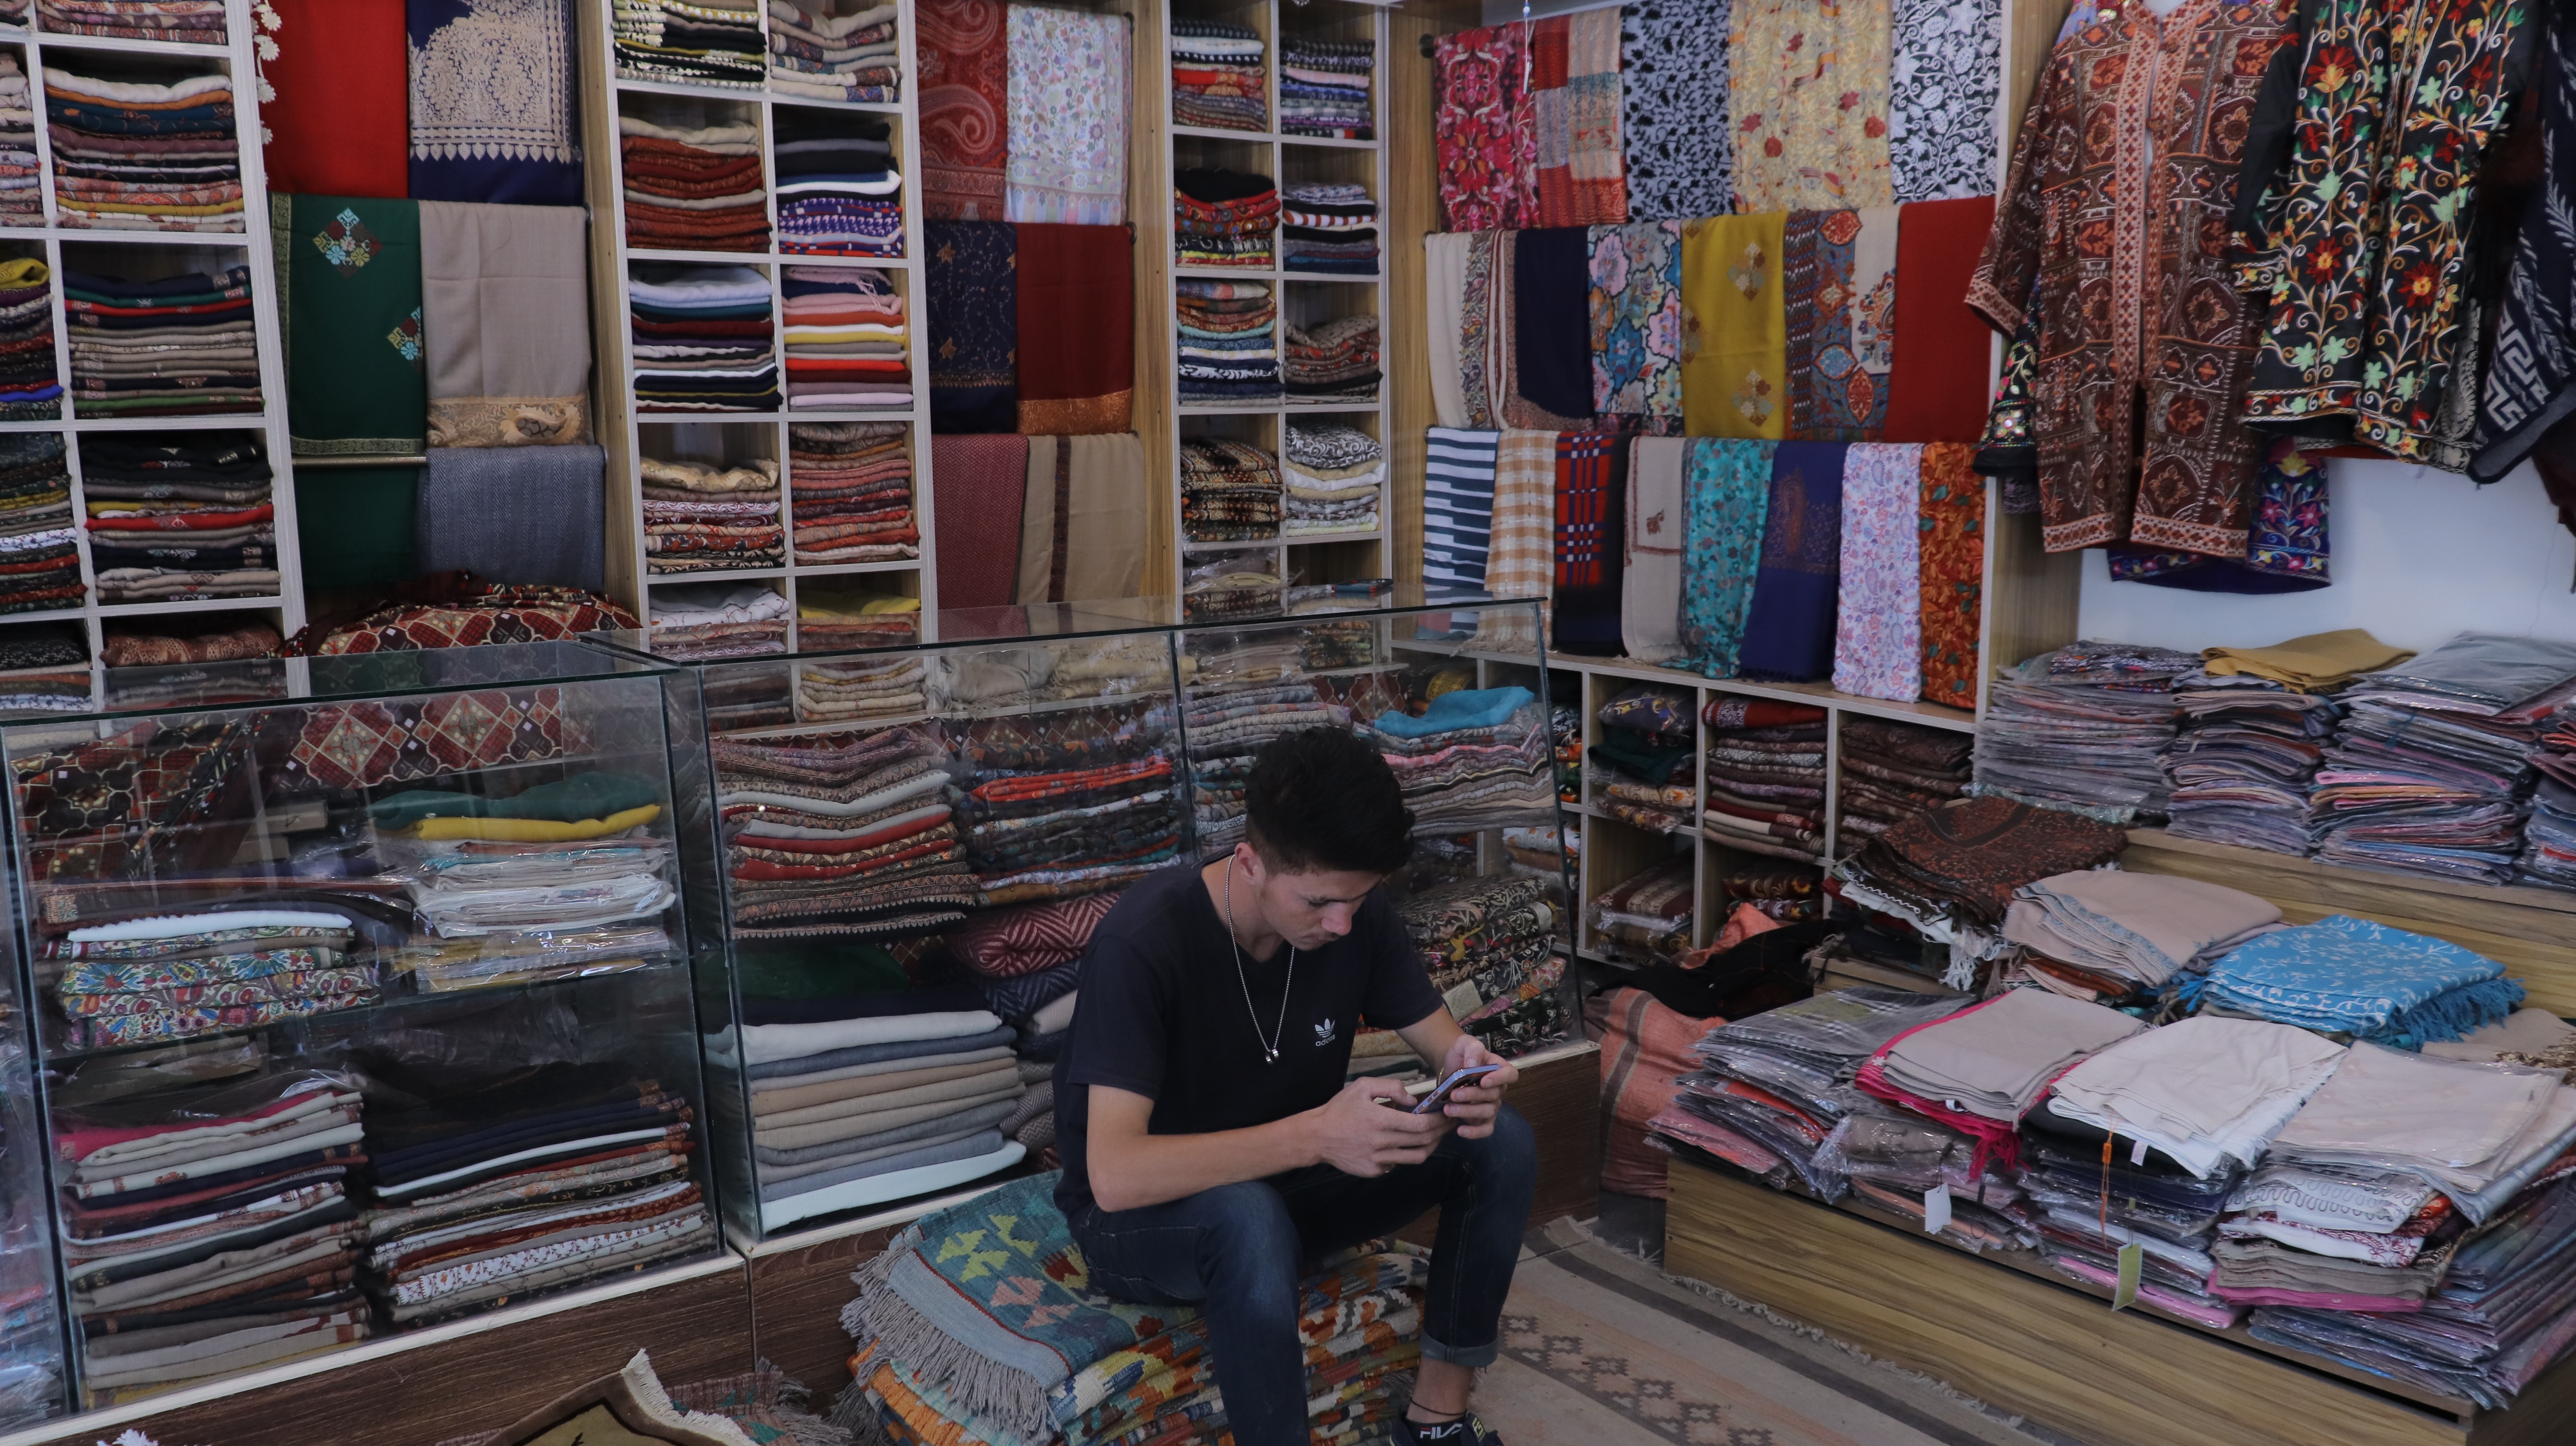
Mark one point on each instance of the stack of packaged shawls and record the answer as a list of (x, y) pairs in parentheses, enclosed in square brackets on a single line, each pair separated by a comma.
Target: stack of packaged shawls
[(2350, 976), (1067, 803), (841, 834), (39, 564), (846, 338), (181, 515), (30, 391), (542, 1179), (151, 980), (1647, 918), (1229, 333), (2084, 727), (178, 346), (2109, 937), (179, 22), (1764, 768), (703, 339), (1328, 227), (865, 689), (693, 189), (44, 668), (1980, 1070), (707, 517), (1334, 362), (1220, 76), (1334, 474), (701, 622), (22, 201), (690, 42), (2549, 836), (1644, 773), (1324, 88), (1223, 218), (133, 156), (1488, 945), (1245, 689), (2245, 759), (838, 191), (851, 617), (1230, 586), (850, 487), (1952, 872), (1230, 491), (1892, 771), (208, 1230), (2431, 762), (818, 54), (1473, 759)]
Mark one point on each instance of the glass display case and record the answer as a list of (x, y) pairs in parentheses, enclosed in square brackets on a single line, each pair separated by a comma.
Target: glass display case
[(360, 996), (32, 1386)]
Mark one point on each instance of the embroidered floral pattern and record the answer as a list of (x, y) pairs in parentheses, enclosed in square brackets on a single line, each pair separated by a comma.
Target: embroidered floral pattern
[(405, 338), (347, 243), (1950, 561), (1637, 322), (1948, 71), (1807, 93), (1485, 130), (1066, 101), (1840, 278), (1726, 498), (1878, 628), (1679, 150)]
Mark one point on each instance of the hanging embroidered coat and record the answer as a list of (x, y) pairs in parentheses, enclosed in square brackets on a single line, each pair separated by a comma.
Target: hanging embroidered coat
[(2532, 391), (2117, 210)]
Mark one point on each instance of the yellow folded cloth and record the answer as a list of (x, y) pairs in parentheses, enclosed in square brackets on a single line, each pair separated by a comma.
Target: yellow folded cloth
[(2309, 664), (536, 830), (23, 271)]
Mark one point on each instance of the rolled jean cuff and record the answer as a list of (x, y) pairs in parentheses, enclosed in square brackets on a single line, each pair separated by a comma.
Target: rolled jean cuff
[(1472, 1357)]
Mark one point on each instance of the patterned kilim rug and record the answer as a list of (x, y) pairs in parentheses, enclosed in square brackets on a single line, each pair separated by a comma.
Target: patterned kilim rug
[(1600, 1350)]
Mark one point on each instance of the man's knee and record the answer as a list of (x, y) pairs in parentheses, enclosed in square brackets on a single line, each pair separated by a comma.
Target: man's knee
[(1249, 1241)]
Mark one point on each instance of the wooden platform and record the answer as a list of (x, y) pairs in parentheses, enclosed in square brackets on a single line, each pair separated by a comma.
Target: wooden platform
[(2005, 1329)]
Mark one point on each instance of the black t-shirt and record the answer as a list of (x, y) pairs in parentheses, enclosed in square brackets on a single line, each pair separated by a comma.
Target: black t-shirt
[(1162, 1015)]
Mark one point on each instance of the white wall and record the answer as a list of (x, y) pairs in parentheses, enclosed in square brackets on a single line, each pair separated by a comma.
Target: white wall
[(2418, 556)]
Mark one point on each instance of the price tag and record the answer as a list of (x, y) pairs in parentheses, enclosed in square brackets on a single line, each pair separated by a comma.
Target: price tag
[(2138, 1154), (1936, 1209), (2133, 1258)]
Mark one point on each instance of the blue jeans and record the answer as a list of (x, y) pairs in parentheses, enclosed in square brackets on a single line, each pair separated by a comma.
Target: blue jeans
[(1237, 1252)]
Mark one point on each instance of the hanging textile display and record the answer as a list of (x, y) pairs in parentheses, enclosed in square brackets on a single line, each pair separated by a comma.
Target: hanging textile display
[(1950, 557), (492, 102), (1636, 273), (1551, 362), (2531, 392), (358, 526), (1735, 339), (983, 486), (1727, 499), (1078, 535), (1524, 535), (1650, 578), (1591, 494), (506, 328), (974, 313), (1945, 80), (516, 515), (1936, 383), (2285, 548), (1878, 618), (1485, 330), (1574, 104), (1444, 258), (1075, 301), (1677, 144), (336, 118), (1483, 131), (1807, 89), (351, 312), (965, 108), (2137, 395), (1068, 105), (1789, 629), (1458, 506), (1838, 284)]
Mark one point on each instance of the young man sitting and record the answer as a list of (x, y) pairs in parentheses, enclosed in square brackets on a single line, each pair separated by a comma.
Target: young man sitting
[(1211, 1146)]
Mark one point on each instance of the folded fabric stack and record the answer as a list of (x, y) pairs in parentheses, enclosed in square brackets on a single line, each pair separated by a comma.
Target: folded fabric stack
[(2351, 976), (131, 156), (707, 517), (178, 22), (178, 515), (1223, 218), (1333, 362), (839, 193), (1892, 771), (1024, 961), (703, 339), (1781, 891), (1764, 767), (1244, 690), (2084, 727), (2549, 834), (2432, 759), (1071, 802), (693, 189), (1075, 1368), (178, 346), (850, 487), (1232, 587), (30, 390), (843, 834), (1474, 759), (1333, 473), (1489, 946), (1228, 340), (542, 1179), (44, 668), (1324, 88), (39, 562), (1328, 227), (1648, 918), (861, 690), (127, 647), (1952, 873), (2108, 937), (828, 618), (1230, 491), (702, 622), (708, 42), (2245, 760), (22, 199), (1645, 774), (818, 55), (1980, 1070), (172, 977), (846, 339), (1220, 76)]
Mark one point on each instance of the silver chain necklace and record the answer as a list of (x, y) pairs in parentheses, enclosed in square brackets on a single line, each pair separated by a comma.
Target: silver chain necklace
[(1269, 1049)]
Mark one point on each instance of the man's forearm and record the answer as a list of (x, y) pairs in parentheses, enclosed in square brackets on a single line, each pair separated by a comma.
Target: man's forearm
[(1132, 1172)]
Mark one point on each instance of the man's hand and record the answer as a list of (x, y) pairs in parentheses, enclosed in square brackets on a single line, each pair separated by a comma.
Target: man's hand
[(1358, 1134), (1472, 1106)]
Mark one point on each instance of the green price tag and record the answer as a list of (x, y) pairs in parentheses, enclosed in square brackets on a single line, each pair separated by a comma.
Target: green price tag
[(2125, 1294)]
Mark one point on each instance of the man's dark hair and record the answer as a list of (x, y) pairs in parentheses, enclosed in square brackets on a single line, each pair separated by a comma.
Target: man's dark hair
[(1320, 800)]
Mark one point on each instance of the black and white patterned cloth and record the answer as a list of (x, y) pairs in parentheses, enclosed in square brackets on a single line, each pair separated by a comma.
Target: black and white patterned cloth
[(1947, 76), (1678, 144), (2532, 387)]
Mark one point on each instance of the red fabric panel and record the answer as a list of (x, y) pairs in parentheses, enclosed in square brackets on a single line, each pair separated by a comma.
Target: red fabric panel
[(983, 489), (1077, 321), (1644, 1048), (1938, 392), (341, 123), (964, 56)]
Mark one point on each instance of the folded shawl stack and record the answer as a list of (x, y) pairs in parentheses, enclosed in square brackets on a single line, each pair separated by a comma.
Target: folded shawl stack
[(1764, 767), (178, 22), (1229, 491), (861, 689), (172, 516), (1474, 758), (1220, 76), (22, 200), (1026, 962), (2549, 835), (1647, 917), (700, 622), (2351, 976), (1892, 771), (30, 391), (707, 517), (703, 339), (845, 834), (1336, 361), (2107, 936), (693, 189), (1643, 773), (1072, 802), (1960, 865), (706, 43), (2083, 727), (1489, 946), (816, 54), (2245, 760), (838, 191), (2086, 1213), (1223, 218), (1244, 690), (1333, 473), (209, 1230), (850, 486), (852, 617), (137, 157), (39, 563), (1228, 340), (178, 346), (44, 668), (152, 980), (1980, 1070), (1324, 88), (847, 341), (1328, 227)]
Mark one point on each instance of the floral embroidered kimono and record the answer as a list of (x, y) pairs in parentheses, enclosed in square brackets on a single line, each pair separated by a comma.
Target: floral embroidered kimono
[(2116, 211)]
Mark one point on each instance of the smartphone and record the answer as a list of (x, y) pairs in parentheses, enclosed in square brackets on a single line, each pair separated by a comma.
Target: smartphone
[(1431, 1103)]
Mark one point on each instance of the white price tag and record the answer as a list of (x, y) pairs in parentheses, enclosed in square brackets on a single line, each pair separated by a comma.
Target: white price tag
[(1936, 1209), (2138, 1154)]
